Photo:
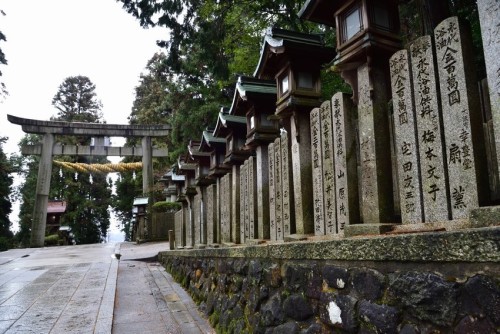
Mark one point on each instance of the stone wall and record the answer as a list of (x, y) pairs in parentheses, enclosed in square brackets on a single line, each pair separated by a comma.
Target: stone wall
[(414, 283), (161, 224)]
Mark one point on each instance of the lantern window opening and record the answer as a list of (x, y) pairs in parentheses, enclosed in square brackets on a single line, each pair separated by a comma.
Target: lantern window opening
[(352, 22), (305, 80), (380, 17)]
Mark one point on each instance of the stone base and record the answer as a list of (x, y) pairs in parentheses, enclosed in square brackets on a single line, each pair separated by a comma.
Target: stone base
[(485, 216), (200, 246), (255, 242), (188, 247), (296, 237), (213, 246), (180, 247), (228, 244), (365, 229)]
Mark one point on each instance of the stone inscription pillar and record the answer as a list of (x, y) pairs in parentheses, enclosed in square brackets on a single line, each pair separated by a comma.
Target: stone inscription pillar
[(463, 128), (489, 13), (317, 172), (300, 138), (262, 196), (328, 158), (405, 134), (147, 165), (42, 192), (286, 185), (429, 121), (235, 204), (278, 188), (272, 193), (376, 178), (346, 175)]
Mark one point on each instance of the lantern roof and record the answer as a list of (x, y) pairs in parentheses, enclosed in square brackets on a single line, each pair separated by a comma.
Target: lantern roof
[(249, 89), (321, 11), (226, 123), (279, 43)]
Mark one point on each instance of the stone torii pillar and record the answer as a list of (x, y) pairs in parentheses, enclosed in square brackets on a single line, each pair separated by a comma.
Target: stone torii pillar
[(49, 148), (147, 165), (42, 192)]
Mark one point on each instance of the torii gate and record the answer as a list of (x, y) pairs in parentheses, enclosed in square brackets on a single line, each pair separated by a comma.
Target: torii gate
[(49, 147)]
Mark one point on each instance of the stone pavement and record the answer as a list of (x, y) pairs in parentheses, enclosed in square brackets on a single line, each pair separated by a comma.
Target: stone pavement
[(71, 289), (147, 298)]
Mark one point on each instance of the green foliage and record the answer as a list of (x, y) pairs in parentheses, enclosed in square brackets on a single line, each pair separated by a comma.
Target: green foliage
[(6, 169), (3, 61), (52, 240), (166, 206), (126, 189)]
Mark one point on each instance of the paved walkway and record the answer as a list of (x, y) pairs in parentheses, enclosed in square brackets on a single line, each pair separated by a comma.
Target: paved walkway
[(71, 289)]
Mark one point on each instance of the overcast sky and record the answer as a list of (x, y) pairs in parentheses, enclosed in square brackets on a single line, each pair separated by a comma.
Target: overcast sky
[(50, 40)]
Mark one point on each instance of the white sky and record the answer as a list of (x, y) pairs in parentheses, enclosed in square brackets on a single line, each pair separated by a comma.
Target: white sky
[(50, 40)]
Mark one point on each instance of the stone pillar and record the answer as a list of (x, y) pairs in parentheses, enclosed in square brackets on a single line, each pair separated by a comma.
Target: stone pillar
[(272, 193), (463, 128), (405, 133), (489, 12), (435, 195), (245, 227), (251, 198), (209, 204), (147, 165), (42, 192), (190, 223), (317, 172), (328, 159), (218, 211), (177, 228), (286, 186), (262, 196), (235, 204), (377, 204), (225, 205), (300, 138), (346, 174), (278, 189)]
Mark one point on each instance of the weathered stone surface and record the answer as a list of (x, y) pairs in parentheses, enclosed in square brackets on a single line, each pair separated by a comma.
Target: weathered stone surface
[(369, 284), (317, 172), (427, 296), (485, 216), (262, 196), (471, 324), (289, 328), (235, 204), (384, 318), (410, 195), (287, 185), (346, 174), (375, 158), (300, 142), (271, 312), (252, 210), (297, 308), (272, 193), (296, 277), (489, 10), (339, 311), (278, 189), (328, 163), (429, 125), (463, 129), (313, 329), (477, 245), (336, 277), (245, 226), (486, 294)]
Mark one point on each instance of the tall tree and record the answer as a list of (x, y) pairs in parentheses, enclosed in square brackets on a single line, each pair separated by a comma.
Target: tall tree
[(3, 61), (27, 168), (5, 200), (88, 196)]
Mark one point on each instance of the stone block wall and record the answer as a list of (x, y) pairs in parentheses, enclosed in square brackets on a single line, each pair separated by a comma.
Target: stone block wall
[(380, 288)]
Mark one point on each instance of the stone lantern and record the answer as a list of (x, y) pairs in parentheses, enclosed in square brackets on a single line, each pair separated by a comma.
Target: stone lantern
[(255, 99), (294, 60), (367, 35)]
